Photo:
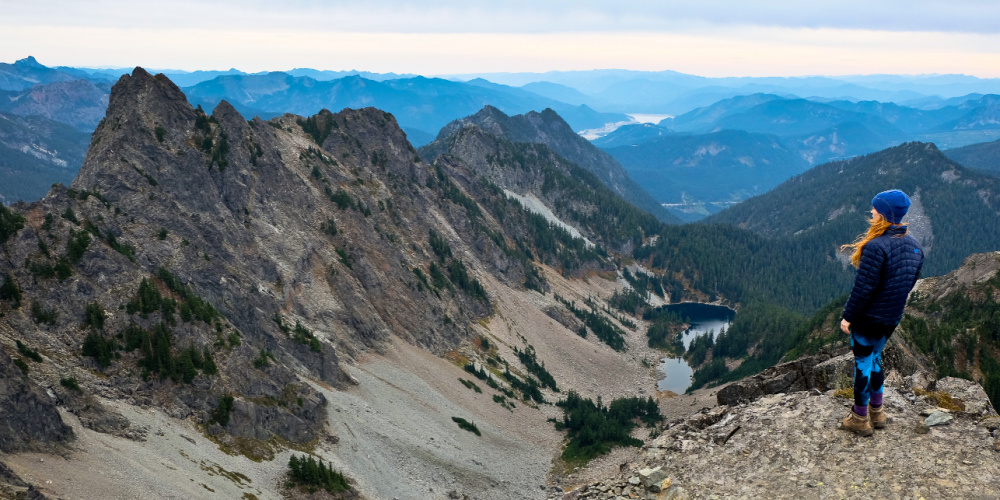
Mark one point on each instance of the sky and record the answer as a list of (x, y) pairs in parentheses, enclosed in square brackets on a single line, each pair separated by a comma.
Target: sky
[(441, 37)]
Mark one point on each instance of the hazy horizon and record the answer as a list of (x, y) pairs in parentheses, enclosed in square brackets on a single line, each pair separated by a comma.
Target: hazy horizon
[(447, 37)]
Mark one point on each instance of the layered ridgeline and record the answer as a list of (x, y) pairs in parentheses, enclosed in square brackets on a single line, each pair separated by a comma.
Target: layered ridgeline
[(421, 105), (701, 174), (550, 129), (745, 145)]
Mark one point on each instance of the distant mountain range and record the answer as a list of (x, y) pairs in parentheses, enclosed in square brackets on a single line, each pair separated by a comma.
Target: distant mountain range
[(785, 132), (686, 161), (421, 105)]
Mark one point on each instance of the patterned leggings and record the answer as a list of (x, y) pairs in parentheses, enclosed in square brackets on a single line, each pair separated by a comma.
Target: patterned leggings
[(868, 376)]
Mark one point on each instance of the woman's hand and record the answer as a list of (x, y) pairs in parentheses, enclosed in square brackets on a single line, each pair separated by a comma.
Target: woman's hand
[(845, 326)]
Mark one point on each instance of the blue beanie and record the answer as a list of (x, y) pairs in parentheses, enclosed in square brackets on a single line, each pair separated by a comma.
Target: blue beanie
[(892, 204)]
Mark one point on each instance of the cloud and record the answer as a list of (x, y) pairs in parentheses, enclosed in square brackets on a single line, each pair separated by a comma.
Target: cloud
[(514, 16), (742, 52)]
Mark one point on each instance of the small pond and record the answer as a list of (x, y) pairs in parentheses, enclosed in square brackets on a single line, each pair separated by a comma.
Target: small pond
[(704, 318)]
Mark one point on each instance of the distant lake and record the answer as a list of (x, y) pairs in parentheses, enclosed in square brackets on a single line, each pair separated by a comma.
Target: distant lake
[(704, 318)]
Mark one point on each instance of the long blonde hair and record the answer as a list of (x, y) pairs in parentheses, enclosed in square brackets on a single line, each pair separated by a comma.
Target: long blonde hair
[(876, 228)]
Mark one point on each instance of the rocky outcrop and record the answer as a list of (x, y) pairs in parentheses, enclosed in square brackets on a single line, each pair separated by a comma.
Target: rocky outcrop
[(29, 419), (824, 371), (788, 445)]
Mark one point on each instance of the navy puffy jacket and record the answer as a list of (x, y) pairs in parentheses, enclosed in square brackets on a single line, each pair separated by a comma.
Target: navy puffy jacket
[(890, 265)]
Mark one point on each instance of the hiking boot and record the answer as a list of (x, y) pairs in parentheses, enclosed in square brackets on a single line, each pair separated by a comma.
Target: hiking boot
[(876, 414), (857, 424)]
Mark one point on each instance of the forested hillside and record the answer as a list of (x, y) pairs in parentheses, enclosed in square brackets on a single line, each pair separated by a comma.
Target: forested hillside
[(984, 156), (954, 212)]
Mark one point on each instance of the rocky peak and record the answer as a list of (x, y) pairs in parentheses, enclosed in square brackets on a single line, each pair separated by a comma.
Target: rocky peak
[(153, 100), (29, 61)]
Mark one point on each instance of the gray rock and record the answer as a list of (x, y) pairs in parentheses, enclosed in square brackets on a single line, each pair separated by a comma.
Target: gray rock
[(938, 418), (652, 477)]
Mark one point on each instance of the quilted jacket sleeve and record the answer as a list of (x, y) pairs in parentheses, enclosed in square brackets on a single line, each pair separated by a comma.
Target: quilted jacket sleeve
[(873, 258)]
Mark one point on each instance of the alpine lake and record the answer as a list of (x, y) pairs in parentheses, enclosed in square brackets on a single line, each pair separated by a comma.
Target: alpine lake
[(704, 319)]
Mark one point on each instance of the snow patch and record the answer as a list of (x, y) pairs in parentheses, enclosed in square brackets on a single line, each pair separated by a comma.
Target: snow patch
[(534, 205)]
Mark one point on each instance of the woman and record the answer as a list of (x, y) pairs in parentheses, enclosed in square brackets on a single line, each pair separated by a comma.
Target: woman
[(888, 262)]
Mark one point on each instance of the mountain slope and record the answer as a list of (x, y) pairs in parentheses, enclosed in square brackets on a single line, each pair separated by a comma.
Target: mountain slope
[(80, 103), (548, 128), (34, 153), (984, 156), (799, 116), (724, 166), (26, 73), (703, 119), (954, 212)]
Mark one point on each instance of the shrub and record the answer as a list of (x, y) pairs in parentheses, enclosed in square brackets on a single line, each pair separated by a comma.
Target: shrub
[(329, 227), (10, 223), (262, 361), (22, 365), (93, 316), (28, 352), (209, 367), (70, 216), (77, 246), (70, 383), (465, 424), (147, 299), (221, 413), (10, 291), (593, 429), (99, 348), (62, 269), (470, 384)]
